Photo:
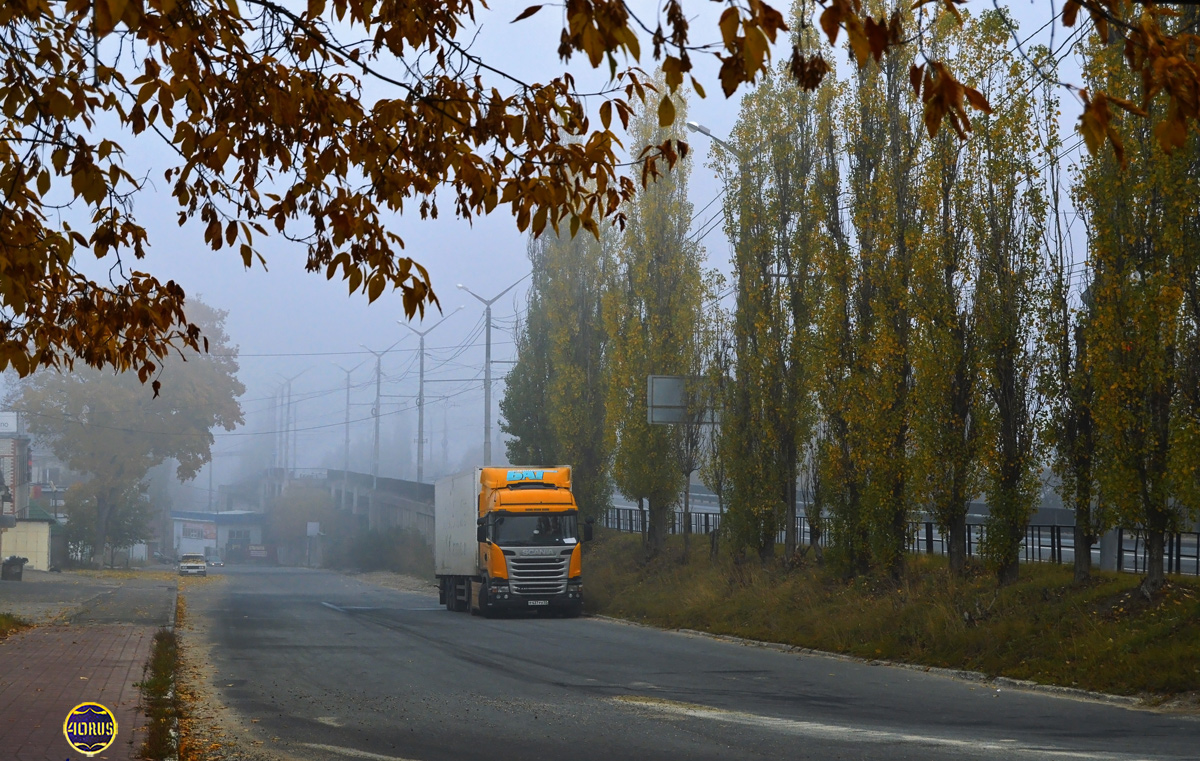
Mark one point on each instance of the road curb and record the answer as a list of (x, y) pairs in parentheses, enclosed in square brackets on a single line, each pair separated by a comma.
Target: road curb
[(963, 675)]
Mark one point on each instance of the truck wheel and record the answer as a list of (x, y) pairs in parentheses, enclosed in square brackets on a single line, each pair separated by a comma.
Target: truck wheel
[(485, 610), (448, 593)]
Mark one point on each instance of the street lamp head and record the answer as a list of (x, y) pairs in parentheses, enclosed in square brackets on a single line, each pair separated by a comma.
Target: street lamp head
[(698, 127), (461, 287)]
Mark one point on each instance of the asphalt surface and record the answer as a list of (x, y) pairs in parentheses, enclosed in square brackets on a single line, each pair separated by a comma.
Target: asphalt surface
[(320, 666), (91, 598)]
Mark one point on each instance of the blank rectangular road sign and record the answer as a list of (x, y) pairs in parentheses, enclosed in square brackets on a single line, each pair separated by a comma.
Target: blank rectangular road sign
[(667, 400)]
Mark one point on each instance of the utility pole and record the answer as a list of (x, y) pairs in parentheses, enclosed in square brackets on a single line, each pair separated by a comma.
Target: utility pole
[(375, 410), (295, 433), (421, 395), (287, 433), (487, 366), (287, 422), (346, 441)]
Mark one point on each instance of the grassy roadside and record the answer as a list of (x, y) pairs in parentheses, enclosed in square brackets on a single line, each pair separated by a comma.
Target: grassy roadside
[(160, 700), (10, 624), (160, 687), (1104, 637)]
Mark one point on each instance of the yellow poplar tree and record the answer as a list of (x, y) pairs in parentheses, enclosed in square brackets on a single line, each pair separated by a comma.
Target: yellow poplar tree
[(882, 133), (1145, 252), (1006, 221), (772, 412), (1066, 377), (651, 315), (554, 405), (945, 429)]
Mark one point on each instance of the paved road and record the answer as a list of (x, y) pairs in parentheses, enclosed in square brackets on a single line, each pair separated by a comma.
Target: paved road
[(321, 666)]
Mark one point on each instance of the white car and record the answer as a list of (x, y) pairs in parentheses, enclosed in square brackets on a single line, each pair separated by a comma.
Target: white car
[(193, 565)]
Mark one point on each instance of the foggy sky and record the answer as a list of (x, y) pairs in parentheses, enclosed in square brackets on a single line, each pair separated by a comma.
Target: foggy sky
[(287, 321)]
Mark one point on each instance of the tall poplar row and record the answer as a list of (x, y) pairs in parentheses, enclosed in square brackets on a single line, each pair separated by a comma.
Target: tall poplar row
[(770, 411), (1143, 333), (1005, 222), (1066, 378), (944, 465), (651, 315), (882, 138)]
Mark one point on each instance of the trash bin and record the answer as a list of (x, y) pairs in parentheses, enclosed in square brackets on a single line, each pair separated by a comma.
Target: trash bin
[(11, 568)]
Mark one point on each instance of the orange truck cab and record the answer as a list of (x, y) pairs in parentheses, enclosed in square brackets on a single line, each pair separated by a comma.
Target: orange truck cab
[(509, 539)]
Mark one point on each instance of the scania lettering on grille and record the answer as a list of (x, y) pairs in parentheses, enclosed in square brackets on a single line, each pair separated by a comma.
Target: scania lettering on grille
[(539, 551), (528, 475)]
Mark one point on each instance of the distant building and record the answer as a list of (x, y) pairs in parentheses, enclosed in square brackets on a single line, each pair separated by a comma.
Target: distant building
[(14, 476), (16, 462), (39, 537), (225, 534)]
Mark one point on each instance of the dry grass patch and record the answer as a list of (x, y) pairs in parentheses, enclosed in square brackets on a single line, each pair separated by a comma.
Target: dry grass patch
[(1102, 637), (10, 624)]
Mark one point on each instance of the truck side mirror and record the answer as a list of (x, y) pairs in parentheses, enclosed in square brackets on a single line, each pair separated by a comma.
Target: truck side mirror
[(481, 534), (587, 531)]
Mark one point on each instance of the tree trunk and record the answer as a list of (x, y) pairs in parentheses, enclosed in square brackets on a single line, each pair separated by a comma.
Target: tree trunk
[(789, 530), (645, 523), (1083, 549), (1009, 571), (815, 530), (1154, 581), (766, 544), (657, 534), (687, 514), (1010, 566), (100, 538), (956, 543), (714, 538)]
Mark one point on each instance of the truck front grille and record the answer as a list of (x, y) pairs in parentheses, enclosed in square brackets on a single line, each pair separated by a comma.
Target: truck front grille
[(538, 576)]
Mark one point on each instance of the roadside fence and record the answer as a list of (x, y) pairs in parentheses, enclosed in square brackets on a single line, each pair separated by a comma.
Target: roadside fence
[(1042, 543)]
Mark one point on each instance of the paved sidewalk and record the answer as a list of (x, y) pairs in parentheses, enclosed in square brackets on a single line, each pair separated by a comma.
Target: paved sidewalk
[(45, 672), (92, 644)]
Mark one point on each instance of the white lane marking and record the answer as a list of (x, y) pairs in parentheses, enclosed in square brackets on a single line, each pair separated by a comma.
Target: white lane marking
[(837, 732), (354, 752), (331, 606), (331, 721)]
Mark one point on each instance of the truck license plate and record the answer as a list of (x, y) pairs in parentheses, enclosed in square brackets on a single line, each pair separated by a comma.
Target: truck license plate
[(539, 602)]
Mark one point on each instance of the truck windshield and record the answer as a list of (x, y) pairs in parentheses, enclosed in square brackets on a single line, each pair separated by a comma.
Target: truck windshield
[(533, 530)]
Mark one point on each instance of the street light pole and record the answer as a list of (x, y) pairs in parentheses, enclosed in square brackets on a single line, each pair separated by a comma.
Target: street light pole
[(421, 394), (346, 442), (287, 423), (487, 366), (375, 412)]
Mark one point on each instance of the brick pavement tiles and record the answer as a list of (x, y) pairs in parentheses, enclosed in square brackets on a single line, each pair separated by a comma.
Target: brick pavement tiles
[(94, 650), (47, 671)]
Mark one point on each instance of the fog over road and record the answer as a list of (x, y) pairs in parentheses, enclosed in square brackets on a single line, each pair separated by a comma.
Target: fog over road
[(339, 669)]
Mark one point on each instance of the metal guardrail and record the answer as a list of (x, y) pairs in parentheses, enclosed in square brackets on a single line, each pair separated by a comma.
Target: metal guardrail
[(1042, 543)]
